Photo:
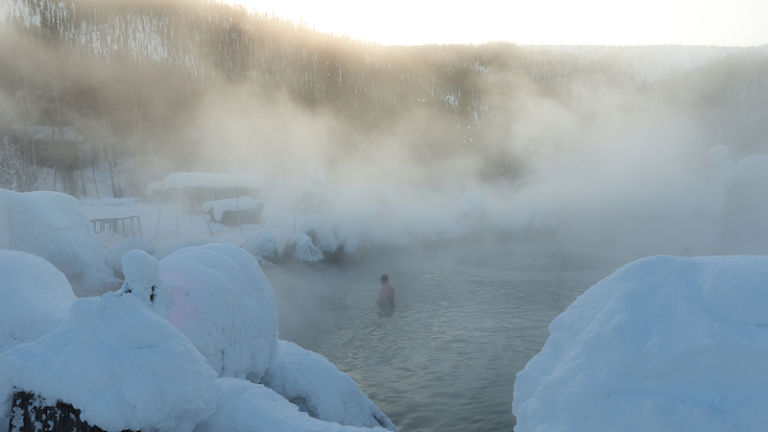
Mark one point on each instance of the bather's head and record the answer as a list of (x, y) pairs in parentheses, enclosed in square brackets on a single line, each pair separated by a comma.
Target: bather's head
[(384, 279)]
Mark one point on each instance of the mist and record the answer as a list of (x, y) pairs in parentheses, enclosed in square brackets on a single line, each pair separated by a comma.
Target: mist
[(606, 148), (493, 184)]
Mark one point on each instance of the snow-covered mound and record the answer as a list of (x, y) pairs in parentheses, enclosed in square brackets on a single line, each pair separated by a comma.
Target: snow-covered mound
[(261, 244), (49, 225), (222, 300), (114, 256), (318, 388), (300, 248), (122, 365), (663, 344), (247, 407), (319, 230), (35, 298)]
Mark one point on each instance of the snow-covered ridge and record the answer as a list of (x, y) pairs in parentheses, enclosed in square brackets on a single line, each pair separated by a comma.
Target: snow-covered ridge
[(653, 63), (663, 344)]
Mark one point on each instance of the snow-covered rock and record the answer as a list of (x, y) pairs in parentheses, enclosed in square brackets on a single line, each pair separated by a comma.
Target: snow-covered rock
[(300, 248), (262, 244), (50, 225), (35, 297), (663, 344), (224, 303), (122, 365), (247, 407), (319, 230), (318, 388), (143, 280)]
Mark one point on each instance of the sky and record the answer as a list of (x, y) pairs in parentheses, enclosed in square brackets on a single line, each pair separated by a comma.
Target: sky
[(538, 22)]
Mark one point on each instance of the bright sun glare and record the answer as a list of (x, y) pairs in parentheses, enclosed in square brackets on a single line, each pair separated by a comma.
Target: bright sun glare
[(544, 22)]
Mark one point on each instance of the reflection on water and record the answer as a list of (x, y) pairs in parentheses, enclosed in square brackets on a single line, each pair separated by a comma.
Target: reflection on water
[(468, 318)]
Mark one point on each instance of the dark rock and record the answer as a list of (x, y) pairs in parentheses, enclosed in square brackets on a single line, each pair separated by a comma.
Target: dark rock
[(30, 413)]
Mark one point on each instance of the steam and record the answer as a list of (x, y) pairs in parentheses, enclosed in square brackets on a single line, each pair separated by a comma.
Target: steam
[(610, 162)]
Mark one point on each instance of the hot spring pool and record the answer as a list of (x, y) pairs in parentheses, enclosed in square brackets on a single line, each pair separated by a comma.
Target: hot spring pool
[(468, 318)]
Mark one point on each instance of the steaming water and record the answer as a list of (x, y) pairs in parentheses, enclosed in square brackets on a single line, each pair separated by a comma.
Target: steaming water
[(468, 318)]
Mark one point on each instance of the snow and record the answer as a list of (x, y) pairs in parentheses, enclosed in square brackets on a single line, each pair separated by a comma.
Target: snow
[(114, 256), (180, 180), (663, 344), (310, 381), (300, 247), (35, 298), (123, 366), (50, 225), (247, 407), (261, 244), (218, 207), (316, 225), (224, 303)]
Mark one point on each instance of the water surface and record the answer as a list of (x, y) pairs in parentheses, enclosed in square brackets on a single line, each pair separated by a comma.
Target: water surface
[(468, 318)]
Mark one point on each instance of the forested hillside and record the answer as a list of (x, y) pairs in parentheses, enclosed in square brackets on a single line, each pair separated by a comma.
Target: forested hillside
[(180, 81)]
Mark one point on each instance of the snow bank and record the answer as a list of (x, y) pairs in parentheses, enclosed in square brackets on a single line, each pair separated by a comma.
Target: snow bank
[(114, 256), (224, 303), (49, 224), (123, 366), (35, 298), (318, 388), (663, 344), (247, 407), (262, 244), (300, 247)]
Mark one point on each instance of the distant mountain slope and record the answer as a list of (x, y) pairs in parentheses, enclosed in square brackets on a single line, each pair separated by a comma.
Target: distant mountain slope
[(153, 77)]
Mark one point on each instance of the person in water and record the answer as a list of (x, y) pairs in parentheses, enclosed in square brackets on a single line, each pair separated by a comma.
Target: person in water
[(386, 300)]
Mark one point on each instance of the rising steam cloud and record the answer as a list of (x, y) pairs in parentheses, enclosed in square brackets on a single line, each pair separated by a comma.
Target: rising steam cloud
[(412, 143)]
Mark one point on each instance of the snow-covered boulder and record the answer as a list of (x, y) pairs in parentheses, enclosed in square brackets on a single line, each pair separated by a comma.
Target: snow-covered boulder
[(247, 407), (122, 365), (299, 247), (34, 298), (319, 230), (318, 388), (218, 296), (261, 244), (663, 344), (50, 225), (114, 256)]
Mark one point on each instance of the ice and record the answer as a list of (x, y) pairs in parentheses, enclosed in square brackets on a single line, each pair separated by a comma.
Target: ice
[(247, 407), (50, 225), (663, 344), (122, 365), (310, 381), (35, 298)]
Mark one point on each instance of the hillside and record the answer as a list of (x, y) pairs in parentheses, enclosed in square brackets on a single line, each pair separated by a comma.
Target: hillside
[(192, 85)]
